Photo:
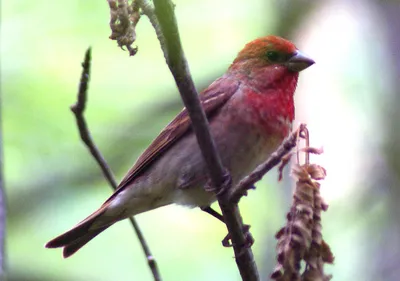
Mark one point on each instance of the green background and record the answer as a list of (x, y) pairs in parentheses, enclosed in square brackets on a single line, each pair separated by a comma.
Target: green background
[(52, 182)]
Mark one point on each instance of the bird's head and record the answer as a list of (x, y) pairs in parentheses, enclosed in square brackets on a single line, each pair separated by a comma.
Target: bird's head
[(270, 51)]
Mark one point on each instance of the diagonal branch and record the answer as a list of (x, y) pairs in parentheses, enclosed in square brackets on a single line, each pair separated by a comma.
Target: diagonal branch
[(175, 57), (248, 182), (167, 31), (78, 109)]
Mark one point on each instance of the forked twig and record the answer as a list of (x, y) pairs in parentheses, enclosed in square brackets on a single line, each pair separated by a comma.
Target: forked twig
[(248, 182), (78, 109)]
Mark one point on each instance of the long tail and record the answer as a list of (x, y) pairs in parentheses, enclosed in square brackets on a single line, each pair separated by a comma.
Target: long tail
[(77, 237)]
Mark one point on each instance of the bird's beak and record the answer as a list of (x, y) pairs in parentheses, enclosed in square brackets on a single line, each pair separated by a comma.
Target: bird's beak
[(299, 62)]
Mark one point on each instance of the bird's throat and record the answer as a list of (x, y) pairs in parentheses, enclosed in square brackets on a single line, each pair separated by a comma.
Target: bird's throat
[(271, 97)]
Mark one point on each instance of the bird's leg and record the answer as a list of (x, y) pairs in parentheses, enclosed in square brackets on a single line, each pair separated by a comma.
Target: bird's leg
[(213, 212), (226, 241)]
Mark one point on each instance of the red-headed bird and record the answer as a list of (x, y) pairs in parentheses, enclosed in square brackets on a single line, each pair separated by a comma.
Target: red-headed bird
[(250, 110)]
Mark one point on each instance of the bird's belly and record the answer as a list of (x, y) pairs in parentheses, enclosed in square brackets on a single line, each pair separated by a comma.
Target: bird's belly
[(180, 174), (241, 148)]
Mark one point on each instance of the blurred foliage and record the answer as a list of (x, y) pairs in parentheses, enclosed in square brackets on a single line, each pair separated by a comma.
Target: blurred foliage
[(52, 182)]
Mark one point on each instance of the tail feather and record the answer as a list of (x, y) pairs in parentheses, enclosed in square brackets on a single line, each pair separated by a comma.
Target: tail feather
[(73, 247), (81, 234)]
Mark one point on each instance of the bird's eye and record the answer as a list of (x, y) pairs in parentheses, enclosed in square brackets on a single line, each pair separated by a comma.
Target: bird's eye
[(273, 56)]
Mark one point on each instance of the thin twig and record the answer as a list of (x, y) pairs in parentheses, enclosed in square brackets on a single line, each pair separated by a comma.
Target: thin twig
[(248, 182), (78, 109), (167, 30), (147, 8)]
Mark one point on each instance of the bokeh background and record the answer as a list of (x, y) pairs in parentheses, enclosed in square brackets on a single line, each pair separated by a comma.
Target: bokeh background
[(349, 99)]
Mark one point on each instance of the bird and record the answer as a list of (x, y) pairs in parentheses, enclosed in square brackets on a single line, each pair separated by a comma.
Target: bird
[(250, 110)]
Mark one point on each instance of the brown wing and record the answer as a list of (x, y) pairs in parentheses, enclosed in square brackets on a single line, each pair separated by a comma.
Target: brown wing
[(213, 98)]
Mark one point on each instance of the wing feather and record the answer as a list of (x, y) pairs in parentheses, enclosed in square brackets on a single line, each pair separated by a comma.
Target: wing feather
[(212, 99)]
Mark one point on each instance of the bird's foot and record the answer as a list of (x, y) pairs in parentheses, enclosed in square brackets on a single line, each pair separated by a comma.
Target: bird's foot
[(209, 187), (249, 240)]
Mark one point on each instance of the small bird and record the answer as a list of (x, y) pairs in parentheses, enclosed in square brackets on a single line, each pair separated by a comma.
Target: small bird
[(250, 110)]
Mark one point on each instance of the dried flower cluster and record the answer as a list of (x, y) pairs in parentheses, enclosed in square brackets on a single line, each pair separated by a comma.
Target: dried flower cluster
[(301, 239), (123, 20)]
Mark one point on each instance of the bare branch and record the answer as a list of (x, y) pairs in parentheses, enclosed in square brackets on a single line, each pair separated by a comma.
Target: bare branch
[(168, 34), (147, 9), (175, 57), (78, 109)]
